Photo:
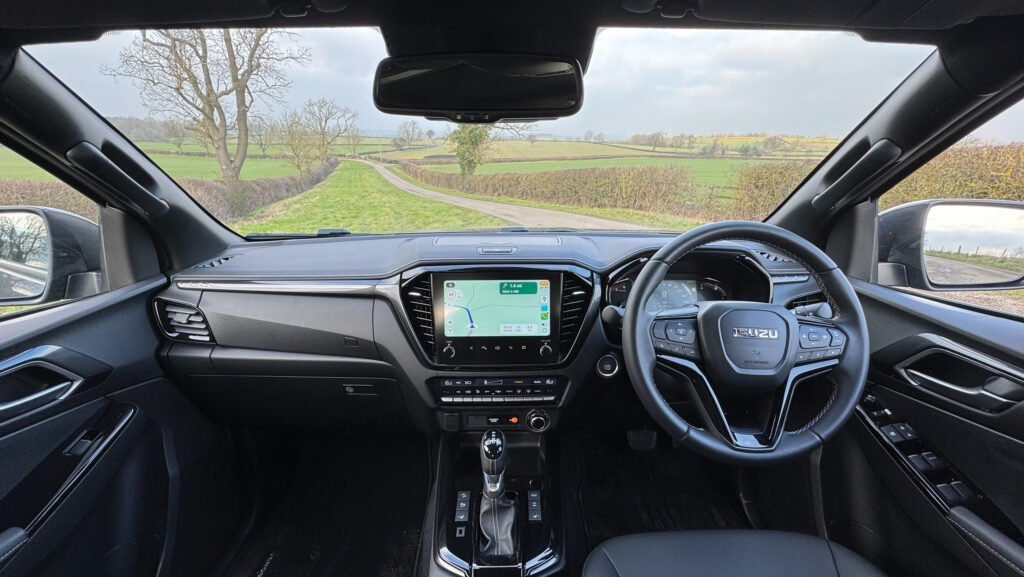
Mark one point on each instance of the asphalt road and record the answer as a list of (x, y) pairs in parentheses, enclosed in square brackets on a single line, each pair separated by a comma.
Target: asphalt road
[(946, 271), (527, 216)]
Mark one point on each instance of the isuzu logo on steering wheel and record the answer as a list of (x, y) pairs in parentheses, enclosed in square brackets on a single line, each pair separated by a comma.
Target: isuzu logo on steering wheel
[(752, 333)]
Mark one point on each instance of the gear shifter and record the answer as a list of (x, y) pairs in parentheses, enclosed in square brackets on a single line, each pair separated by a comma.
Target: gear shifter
[(497, 512)]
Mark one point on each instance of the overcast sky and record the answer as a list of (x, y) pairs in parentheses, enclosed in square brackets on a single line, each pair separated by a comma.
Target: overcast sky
[(676, 81)]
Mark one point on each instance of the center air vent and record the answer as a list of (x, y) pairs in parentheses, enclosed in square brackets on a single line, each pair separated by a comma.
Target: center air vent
[(181, 322), (420, 309), (576, 295)]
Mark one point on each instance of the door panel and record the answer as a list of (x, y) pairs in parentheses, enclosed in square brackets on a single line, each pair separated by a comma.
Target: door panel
[(942, 428), (107, 469)]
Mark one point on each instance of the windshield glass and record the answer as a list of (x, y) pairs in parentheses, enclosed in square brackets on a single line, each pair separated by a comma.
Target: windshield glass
[(275, 131)]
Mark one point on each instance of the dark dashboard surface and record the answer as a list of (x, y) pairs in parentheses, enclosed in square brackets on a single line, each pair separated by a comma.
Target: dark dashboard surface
[(345, 331), (383, 256)]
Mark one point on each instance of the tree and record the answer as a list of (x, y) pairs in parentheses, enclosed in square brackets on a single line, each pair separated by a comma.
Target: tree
[(588, 136), (175, 131), (329, 122), (408, 133), (354, 139), (300, 143), (210, 80), (532, 138), (599, 137), (469, 142), (430, 136), (655, 140), (261, 131)]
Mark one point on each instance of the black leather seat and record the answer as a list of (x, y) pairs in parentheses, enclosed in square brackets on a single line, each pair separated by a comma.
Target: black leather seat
[(725, 553)]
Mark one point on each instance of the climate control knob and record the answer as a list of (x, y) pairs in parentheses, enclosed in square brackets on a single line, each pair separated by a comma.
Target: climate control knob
[(448, 351), (545, 350)]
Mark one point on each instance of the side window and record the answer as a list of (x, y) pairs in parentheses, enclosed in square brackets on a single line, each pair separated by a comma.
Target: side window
[(955, 228), (50, 248)]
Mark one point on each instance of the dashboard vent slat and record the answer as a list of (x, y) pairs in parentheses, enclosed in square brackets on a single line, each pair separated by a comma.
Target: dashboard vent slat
[(182, 323), (419, 307), (575, 299)]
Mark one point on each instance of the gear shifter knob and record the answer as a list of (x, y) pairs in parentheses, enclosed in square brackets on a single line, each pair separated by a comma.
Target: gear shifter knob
[(493, 457)]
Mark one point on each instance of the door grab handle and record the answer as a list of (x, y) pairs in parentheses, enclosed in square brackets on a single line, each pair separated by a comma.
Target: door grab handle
[(978, 398), (35, 400)]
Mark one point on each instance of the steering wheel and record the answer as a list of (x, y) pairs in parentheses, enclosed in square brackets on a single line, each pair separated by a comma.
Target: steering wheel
[(746, 355)]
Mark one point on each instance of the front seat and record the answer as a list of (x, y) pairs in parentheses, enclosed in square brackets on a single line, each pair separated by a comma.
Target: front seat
[(725, 553)]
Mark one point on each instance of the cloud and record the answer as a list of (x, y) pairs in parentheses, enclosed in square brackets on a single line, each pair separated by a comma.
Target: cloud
[(639, 80)]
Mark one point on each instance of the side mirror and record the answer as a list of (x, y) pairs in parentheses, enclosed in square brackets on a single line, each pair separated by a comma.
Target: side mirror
[(946, 245), (47, 255)]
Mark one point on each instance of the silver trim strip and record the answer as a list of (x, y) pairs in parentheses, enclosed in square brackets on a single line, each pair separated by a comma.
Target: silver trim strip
[(282, 287)]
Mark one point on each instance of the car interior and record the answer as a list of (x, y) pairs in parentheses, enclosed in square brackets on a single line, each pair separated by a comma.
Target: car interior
[(793, 397)]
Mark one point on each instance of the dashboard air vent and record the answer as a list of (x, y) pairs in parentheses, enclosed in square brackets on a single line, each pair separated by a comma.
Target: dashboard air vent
[(181, 322), (420, 308), (216, 262), (575, 299), (771, 256)]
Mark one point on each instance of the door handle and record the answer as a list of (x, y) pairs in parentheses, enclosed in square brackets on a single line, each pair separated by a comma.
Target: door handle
[(979, 398), (28, 402), (31, 380)]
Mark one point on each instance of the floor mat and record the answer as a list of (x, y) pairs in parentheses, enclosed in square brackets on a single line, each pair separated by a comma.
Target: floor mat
[(626, 491), (355, 509)]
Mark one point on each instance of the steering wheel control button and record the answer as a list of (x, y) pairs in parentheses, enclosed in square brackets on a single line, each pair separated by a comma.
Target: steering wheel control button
[(803, 356), (682, 331), (659, 330), (814, 337), (608, 366), (838, 338)]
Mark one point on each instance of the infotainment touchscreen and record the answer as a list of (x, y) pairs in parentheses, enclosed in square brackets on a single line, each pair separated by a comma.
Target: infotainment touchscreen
[(497, 308)]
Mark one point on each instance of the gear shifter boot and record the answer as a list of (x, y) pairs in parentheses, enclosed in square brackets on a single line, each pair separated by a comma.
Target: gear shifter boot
[(497, 529)]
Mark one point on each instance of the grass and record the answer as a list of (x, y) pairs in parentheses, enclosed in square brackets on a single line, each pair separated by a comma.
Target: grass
[(357, 198), (716, 171), (1014, 264), (654, 220), (14, 167)]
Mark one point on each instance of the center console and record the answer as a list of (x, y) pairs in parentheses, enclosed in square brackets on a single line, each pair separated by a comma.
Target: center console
[(501, 339)]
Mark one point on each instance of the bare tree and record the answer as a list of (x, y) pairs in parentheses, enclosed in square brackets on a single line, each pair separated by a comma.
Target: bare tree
[(588, 136), (211, 79), (354, 139), (175, 131), (261, 132), (329, 122), (300, 143), (532, 138), (408, 133)]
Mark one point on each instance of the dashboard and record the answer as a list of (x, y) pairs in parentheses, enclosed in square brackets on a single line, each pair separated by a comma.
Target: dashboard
[(448, 331)]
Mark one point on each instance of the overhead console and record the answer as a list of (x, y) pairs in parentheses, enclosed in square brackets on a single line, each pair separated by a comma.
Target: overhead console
[(497, 317)]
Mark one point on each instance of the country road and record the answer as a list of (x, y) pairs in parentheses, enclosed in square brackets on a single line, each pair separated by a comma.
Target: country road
[(527, 216), (947, 271)]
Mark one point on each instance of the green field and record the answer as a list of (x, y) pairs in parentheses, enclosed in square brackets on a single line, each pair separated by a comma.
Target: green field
[(14, 167), (654, 220), (714, 171), (357, 198), (516, 149)]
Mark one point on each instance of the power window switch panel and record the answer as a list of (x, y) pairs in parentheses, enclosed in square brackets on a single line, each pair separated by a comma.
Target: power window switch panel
[(919, 463), (892, 433), (906, 430)]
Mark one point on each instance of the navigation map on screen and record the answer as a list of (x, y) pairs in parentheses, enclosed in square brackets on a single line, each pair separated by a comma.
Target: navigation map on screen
[(497, 308)]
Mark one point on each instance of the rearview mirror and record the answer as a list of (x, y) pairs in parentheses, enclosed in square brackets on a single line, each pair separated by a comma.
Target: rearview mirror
[(953, 245), (47, 255), (479, 88)]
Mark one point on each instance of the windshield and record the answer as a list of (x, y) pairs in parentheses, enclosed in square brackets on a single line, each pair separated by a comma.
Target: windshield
[(275, 131)]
